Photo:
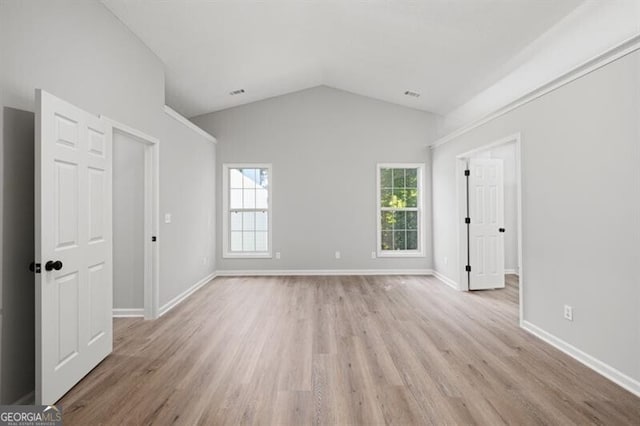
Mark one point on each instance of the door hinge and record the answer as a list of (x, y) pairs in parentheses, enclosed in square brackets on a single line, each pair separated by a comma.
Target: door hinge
[(467, 173), (154, 239), (35, 267), (467, 220), (467, 268)]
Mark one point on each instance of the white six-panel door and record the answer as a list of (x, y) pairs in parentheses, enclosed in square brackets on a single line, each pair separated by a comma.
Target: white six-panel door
[(486, 210), (73, 226)]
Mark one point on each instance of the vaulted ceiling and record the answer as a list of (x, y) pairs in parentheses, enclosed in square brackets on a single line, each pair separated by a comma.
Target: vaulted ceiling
[(445, 50)]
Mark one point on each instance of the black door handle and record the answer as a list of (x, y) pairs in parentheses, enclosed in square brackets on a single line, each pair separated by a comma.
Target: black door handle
[(501, 229), (51, 265)]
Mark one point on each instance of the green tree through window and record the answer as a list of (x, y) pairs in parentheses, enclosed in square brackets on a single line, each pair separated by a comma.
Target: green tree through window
[(399, 208)]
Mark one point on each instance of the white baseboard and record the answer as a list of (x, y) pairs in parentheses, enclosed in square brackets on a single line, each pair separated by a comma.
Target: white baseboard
[(128, 312), (448, 281), (596, 365), (310, 272), (511, 272), (179, 298), (27, 399)]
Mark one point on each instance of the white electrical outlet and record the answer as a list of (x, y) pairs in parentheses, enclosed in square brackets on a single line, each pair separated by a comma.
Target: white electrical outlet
[(446, 260), (337, 255), (568, 312), (373, 254), (277, 255), (204, 260), (167, 218)]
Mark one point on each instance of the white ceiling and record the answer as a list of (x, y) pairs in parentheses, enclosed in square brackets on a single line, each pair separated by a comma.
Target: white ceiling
[(447, 50)]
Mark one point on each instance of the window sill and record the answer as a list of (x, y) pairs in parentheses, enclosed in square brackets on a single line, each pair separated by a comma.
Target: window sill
[(400, 254), (247, 256)]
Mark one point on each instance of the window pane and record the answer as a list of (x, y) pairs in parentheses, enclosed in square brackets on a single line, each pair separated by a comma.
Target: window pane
[(412, 197), (412, 220), (263, 178), (235, 178), (386, 242), (261, 241), (236, 241), (262, 221), (399, 240), (248, 221), (249, 198), (235, 198), (236, 221), (399, 191), (386, 221), (249, 241), (386, 178), (386, 197), (398, 178), (248, 210), (262, 199), (399, 198), (412, 240), (400, 220), (250, 178), (411, 178)]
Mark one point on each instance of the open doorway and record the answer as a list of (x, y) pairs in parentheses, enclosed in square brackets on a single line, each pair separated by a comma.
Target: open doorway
[(490, 177), (135, 222)]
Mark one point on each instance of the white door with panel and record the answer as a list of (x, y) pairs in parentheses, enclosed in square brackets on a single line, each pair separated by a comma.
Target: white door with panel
[(486, 211), (73, 245)]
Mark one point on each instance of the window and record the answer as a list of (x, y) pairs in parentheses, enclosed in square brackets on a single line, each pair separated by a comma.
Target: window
[(247, 210), (400, 217)]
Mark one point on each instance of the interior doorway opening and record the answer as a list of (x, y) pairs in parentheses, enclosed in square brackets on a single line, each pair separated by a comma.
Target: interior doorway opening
[(491, 177), (135, 222)]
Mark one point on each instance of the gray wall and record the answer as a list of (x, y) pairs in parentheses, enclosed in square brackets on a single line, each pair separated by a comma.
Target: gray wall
[(581, 207), (507, 153), (80, 52), (187, 244), (128, 222), (324, 145), (18, 291)]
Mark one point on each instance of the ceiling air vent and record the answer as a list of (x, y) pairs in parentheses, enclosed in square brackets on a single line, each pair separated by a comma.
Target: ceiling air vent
[(236, 92), (412, 94)]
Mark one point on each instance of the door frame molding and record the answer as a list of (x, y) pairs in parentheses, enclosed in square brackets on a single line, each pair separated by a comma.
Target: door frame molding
[(151, 213), (461, 165)]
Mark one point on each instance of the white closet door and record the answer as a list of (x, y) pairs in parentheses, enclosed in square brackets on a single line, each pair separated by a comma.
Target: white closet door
[(486, 210), (73, 245)]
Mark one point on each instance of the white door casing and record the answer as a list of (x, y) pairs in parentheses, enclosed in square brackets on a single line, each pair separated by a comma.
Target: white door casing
[(486, 210), (151, 211), (73, 225)]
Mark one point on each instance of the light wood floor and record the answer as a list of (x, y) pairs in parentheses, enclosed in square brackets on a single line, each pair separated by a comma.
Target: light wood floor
[(341, 350)]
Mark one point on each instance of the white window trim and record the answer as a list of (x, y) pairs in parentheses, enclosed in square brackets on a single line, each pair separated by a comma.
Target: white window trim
[(421, 216), (226, 250)]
